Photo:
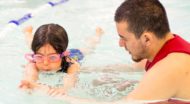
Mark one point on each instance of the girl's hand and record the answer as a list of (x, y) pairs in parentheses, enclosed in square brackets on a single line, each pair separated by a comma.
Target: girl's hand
[(56, 92), (24, 84)]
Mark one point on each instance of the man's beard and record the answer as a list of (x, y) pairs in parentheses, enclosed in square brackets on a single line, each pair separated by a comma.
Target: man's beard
[(140, 57), (137, 59)]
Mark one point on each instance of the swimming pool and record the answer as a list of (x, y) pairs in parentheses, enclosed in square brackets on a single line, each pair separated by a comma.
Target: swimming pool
[(80, 18)]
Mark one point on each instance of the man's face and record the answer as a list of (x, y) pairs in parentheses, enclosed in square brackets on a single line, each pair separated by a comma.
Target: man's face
[(128, 40)]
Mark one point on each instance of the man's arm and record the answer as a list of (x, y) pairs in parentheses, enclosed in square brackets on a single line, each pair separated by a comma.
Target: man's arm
[(161, 81)]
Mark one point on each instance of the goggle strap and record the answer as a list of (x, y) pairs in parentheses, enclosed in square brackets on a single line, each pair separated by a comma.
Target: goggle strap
[(29, 57), (65, 53)]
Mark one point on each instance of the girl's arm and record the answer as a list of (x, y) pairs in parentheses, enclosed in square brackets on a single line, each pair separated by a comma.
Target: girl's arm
[(69, 80), (30, 75), (29, 82)]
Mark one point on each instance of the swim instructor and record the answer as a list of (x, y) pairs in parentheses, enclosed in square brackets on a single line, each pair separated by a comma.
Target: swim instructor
[(144, 32)]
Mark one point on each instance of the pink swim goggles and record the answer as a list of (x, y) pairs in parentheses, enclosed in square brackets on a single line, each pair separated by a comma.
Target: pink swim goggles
[(39, 58)]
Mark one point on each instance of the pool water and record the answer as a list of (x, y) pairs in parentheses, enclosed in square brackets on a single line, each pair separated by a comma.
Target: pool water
[(80, 18)]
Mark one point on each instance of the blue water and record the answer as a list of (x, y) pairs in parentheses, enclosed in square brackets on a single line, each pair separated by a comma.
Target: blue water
[(80, 18)]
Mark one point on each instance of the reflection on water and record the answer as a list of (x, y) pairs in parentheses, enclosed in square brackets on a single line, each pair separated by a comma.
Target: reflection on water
[(52, 79), (105, 86)]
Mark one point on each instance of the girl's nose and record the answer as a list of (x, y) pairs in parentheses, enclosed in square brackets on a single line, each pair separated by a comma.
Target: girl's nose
[(46, 61)]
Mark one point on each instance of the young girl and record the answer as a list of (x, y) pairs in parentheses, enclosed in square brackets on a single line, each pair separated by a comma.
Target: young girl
[(50, 54)]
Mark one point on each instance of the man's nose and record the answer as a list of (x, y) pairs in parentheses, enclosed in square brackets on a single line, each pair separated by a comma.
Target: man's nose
[(121, 42)]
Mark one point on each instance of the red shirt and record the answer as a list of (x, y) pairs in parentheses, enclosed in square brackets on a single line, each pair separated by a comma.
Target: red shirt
[(176, 44)]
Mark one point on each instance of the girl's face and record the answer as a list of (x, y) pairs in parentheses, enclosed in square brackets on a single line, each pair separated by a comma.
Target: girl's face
[(48, 59)]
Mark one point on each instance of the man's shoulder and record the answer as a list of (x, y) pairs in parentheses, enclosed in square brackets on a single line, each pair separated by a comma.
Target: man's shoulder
[(174, 61), (178, 56)]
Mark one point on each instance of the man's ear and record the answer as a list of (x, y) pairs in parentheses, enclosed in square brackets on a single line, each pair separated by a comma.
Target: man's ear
[(146, 38)]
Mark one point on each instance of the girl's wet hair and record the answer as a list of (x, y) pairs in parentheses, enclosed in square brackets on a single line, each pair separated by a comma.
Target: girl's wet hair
[(52, 34)]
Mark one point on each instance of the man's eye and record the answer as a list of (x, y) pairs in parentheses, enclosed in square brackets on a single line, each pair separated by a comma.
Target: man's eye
[(124, 39)]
